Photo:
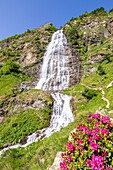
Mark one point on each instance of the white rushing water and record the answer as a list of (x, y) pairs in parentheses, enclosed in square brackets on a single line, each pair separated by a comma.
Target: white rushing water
[(54, 77), (55, 73)]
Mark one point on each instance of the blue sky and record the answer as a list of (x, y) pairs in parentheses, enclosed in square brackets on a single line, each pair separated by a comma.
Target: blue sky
[(16, 16)]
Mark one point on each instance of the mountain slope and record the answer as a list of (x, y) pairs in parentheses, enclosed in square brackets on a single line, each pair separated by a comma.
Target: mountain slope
[(91, 35)]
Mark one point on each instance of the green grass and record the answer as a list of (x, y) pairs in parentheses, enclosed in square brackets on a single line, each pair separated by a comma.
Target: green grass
[(91, 106), (100, 80), (8, 83), (109, 96), (76, 90), (39, 155), (16, 127)]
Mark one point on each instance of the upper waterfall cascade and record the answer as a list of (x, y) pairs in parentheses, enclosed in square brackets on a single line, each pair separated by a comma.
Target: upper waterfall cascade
[(55, 76), (55, 72)]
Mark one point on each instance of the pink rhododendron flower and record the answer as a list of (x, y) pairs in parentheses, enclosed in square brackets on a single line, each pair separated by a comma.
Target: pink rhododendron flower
[(81, 148), (97, 162), (97, 129), (105, 119), (88, 132), (93, 133), (90, 114), (90, 139), (88, 162), (63, 166), (82, 128), (96, 116), (70, 146), (69, 158), (97, 123), (94, 146), (80, 142), (104, 131)]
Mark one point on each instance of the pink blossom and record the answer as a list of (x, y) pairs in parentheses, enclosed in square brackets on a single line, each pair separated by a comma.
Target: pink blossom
[(63, 166), (88, 162), (97, 162), (81, 148), (90, 114), (80, 142), (82, 128), (104, 131), (96, 116), (69, 158), (93, 133), (97, 123), (97, 129), (88, 132), (94, 146), (70, 146), (90, 139), (105, 119), (97, 137)]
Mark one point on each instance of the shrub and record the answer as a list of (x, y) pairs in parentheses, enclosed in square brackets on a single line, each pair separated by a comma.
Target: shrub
[(89, 93), (91, 146), (51, 28), (99, 11), (73, 32), (9, 67)]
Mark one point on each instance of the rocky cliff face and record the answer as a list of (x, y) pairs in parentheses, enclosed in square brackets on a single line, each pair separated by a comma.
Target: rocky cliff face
[(27, 49), (89, 33)]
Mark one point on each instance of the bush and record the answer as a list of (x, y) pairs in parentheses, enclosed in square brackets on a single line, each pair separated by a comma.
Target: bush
[(89, 93), (91, 146), (99, 11), (9, 67), (51, 28)]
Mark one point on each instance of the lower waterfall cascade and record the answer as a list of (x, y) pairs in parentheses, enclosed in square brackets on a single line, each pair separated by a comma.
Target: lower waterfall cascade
[(54, 77)]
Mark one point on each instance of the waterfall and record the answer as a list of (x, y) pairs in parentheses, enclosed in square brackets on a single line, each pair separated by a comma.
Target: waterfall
[(55, 72), (54, 78)]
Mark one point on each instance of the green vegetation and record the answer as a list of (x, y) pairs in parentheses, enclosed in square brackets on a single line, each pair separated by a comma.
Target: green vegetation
[(10, 77), (89, 93), (18, 126), (51, 28), (39, 155), (91, 35), (10, 67)]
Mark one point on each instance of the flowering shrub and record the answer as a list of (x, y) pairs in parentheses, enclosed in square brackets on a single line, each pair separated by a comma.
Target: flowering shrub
[(91, 146)]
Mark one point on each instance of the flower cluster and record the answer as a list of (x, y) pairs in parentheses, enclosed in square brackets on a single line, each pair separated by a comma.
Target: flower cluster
[(91, 146)]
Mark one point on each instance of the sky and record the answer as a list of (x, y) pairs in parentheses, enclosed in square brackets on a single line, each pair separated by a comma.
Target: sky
[(16, 16)]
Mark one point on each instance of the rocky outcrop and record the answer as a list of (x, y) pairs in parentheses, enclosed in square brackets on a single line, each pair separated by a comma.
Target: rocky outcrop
[(32, 99), (56, 163)]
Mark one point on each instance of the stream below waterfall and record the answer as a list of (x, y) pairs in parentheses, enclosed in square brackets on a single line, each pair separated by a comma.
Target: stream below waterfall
[(54, 77)]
